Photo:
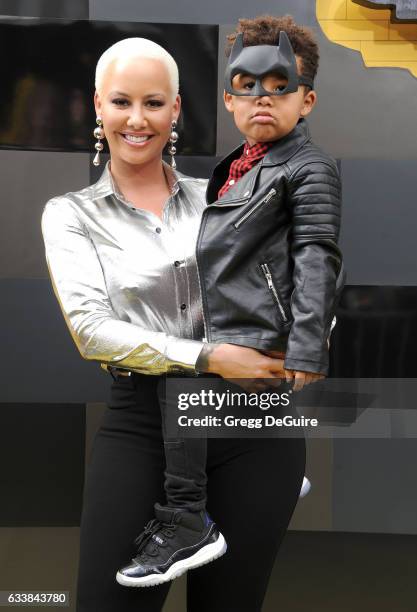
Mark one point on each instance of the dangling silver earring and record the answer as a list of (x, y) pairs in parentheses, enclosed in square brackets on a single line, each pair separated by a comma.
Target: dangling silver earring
[(172, 140), (99, 134)]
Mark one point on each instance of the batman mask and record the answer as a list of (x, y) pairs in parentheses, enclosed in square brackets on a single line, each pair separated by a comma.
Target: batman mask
[(272, 69)]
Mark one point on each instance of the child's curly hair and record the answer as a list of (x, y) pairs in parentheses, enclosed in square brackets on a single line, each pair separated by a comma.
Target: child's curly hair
[(264, 30)]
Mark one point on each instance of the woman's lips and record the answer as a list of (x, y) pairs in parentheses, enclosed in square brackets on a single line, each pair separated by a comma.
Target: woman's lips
[(138, 142)]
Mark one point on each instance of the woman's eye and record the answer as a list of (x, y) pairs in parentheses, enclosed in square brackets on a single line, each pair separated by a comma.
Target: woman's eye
[(281, 87), (123, 102), (155, 103), (120, 102), (249, 84)]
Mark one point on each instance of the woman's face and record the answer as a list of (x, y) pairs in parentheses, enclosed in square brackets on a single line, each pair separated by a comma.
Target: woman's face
[(137, 108)]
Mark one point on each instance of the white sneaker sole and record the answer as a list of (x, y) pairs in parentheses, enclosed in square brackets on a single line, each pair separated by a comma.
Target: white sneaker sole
[(204, 555), (305, 487)]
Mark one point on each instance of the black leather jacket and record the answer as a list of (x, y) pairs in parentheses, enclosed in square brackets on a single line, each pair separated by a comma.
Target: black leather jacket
[(269, 265)]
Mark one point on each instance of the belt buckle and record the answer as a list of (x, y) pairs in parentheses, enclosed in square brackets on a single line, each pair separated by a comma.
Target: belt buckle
[(115, 372)]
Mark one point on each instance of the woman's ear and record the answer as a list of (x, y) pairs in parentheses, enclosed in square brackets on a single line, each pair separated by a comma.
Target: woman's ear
[(177, 107), (97, 103)]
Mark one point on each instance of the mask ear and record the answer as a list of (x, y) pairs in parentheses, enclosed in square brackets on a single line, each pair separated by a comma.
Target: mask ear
[(237, 47), (285, 47)]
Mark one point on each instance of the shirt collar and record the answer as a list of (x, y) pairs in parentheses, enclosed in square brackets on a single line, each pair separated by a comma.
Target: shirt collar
[(106, 185), (256, 151), (280, 151)]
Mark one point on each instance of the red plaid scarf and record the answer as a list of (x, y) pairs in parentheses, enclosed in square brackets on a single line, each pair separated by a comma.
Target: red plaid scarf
[(250, 156)]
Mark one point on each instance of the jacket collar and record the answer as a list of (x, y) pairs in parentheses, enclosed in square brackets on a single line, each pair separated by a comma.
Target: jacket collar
[(282, 150), (286, 147)]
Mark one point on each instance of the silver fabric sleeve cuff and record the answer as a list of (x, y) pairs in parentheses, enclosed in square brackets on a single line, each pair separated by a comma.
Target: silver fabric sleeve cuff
[(183, 354)]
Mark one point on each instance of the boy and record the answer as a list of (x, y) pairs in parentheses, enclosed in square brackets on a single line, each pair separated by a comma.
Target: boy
[(274, 207), (269, 266)]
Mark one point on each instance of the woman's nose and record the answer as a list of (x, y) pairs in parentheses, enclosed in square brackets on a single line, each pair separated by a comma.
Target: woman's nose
[(136, 118)]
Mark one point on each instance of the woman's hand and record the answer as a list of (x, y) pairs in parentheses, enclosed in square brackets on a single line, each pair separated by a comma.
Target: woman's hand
[(251, 369), (241, 365)]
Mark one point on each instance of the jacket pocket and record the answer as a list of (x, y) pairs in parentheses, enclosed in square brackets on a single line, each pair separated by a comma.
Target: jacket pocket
[(272, 288), (254, 208)]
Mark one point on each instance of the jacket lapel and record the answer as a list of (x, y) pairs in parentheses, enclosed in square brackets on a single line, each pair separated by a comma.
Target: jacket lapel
[(242, 191)]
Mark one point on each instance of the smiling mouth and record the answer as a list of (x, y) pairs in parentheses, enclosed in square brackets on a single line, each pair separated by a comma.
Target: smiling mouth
[(136, 139)]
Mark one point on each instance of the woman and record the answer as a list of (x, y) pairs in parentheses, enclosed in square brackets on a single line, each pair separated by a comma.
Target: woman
[(121, 259)]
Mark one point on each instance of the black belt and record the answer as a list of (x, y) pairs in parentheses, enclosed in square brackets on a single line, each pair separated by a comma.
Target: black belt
[(115, 372)]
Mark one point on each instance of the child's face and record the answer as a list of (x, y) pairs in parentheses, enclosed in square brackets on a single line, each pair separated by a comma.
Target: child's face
[(268, 118)]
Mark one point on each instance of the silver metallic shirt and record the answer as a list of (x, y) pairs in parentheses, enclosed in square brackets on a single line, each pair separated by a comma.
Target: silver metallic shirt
[(127, 282)]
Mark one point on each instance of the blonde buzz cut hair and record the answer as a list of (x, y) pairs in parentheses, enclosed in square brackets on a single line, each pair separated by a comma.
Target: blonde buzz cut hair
[(137, 48)]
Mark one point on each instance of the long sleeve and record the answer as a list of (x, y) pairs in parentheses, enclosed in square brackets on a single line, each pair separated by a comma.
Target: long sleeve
[(315, 201), (79, 285)]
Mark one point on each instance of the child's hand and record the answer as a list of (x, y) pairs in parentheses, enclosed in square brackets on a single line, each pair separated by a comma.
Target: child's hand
[(302, 378)]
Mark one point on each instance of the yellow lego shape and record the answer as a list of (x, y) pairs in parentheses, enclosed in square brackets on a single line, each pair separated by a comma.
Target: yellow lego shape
[(356, 11), (389, 50), (355, 30), (331, 10), (403, 31), (370, 32)]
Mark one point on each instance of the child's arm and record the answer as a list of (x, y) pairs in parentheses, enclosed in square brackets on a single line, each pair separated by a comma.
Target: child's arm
[(314, 199)]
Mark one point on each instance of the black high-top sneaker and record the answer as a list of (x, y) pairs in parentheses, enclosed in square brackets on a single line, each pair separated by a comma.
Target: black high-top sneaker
[(172, 543)]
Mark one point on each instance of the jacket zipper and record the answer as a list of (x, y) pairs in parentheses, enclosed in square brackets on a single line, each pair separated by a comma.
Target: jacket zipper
[(207, 337), (254, 208), (271, 286)]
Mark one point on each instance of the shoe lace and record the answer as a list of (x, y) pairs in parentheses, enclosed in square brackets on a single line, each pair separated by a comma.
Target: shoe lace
[(146, 541)]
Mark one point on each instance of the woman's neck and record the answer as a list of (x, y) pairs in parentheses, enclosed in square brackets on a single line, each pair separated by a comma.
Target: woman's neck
[(132, 177), (144, 186)]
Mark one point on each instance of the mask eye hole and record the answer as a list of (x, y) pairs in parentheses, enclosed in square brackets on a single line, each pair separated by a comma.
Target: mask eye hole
[(274, 82), (243, 82)]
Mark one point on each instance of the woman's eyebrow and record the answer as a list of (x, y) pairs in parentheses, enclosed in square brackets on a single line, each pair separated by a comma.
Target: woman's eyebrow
[(118, 93), (122, 93)]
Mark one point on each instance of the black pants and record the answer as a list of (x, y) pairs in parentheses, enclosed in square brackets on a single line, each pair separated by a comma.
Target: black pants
[(185, 471), (253, 486)]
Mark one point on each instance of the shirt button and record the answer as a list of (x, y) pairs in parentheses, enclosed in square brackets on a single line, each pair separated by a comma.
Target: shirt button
[(183, 306), (158, 230), (232, 182)]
